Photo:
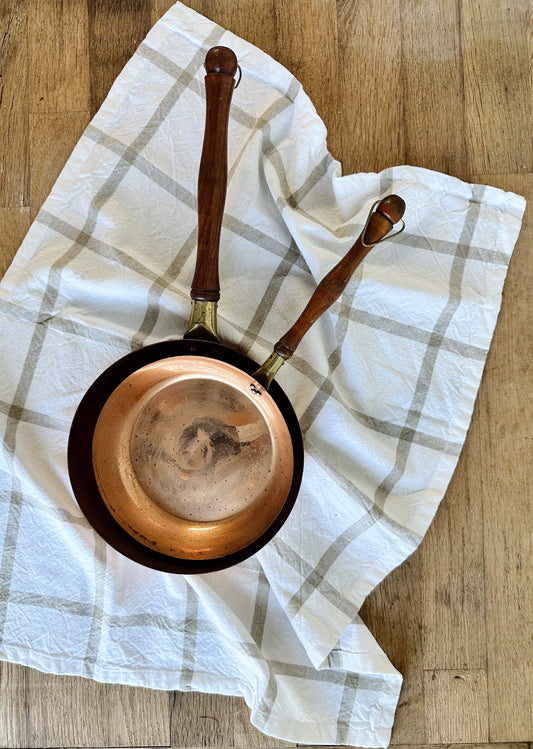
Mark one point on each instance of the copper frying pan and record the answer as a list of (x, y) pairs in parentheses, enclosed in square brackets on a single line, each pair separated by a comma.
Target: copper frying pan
[(185, 455)]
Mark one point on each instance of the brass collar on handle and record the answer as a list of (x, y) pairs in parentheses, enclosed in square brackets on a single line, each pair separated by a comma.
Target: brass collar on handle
[(203, 321)]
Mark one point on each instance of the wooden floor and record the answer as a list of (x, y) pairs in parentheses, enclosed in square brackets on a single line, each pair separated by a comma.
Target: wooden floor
[(443, 84)]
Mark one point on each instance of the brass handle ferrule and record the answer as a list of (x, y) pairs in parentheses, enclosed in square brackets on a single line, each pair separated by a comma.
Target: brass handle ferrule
[(266, 373), (203, 321)]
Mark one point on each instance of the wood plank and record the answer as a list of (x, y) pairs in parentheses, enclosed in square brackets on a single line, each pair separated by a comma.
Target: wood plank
[(503, 477), (71, 711), (456, 706), (13, 52), (115, 29), (13, 705), (309, 53), (58, 56), (202, 720), (496, 39), (369, 129), (249, 19), (393, 612), (159, 8), (14, 157), (432, 87), (452, 556), (52, 138), (15, 222), (489, 745)]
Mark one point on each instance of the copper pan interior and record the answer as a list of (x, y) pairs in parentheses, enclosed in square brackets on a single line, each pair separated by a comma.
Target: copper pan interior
[(192, 457)]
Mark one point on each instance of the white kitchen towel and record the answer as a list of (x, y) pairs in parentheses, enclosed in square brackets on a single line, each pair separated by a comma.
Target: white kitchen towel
[(384, 388)]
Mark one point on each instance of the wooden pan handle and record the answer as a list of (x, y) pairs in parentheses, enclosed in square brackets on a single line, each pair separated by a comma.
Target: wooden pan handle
[(387, 213), (221, 66)]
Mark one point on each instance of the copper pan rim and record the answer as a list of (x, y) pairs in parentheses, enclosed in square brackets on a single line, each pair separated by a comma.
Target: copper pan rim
[(87, 492), (193, 457)]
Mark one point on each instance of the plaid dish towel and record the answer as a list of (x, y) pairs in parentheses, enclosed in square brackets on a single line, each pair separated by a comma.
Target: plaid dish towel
[(383, 385)]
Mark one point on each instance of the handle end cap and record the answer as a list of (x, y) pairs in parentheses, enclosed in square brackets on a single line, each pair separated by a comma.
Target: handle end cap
[(393, 207), (221, 60)]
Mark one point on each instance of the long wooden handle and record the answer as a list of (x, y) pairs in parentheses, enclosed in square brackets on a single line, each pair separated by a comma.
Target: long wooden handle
[(387, 213), (221, 66)]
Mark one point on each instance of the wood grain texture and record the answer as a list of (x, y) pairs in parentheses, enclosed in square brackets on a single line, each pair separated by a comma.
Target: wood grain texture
[(454, 590), (369, 121), (15, 222), (14, 110), (58, 56), (432, 86), (443, 85), (502, 451), (258, 17), (203, 720), (38, 710), (456, 706), (13, 701), (496, 48), (52, 138), (306, 35), (113, 32), (393, 614)]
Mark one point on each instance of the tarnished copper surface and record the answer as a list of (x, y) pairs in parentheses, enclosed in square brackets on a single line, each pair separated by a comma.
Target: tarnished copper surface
[(192, 457)]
